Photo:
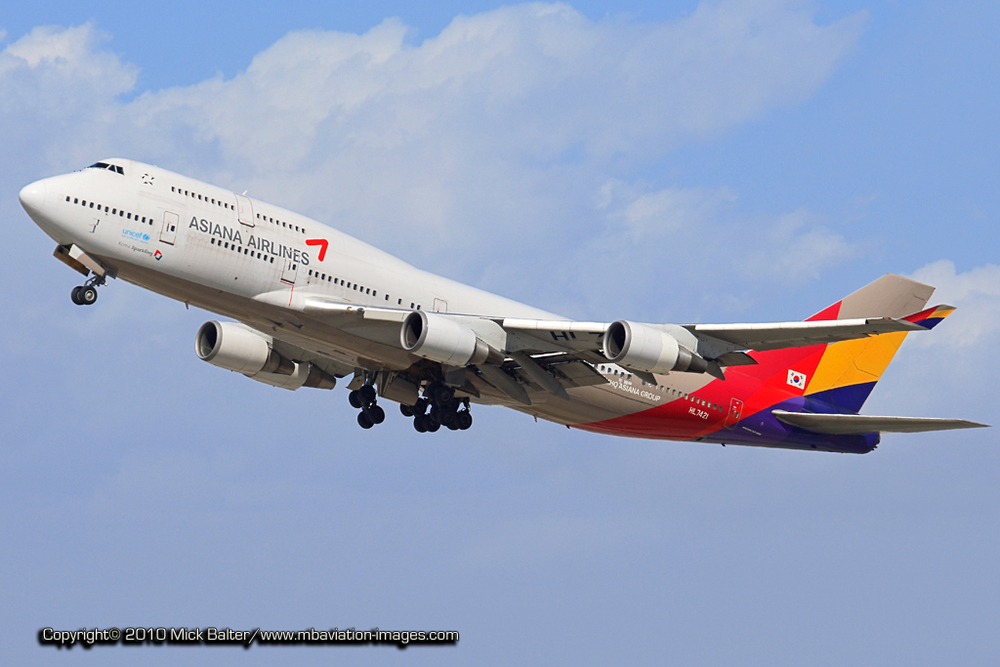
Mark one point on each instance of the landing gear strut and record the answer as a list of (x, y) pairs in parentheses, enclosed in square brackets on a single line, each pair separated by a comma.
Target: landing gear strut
[(364, 399), (86, 294)]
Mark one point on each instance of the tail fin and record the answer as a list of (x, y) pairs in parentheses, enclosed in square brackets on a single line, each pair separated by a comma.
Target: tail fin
[(839, 377)]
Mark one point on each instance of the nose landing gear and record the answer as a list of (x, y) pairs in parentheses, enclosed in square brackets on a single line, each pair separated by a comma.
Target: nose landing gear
[(86, 294)]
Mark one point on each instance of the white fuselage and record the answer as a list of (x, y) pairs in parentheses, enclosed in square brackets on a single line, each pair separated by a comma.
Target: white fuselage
[(256, 262)]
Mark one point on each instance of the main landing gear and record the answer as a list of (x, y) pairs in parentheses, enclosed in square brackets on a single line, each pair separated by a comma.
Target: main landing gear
[(86, 294), (444, 410), (438, 407), (364, 399)]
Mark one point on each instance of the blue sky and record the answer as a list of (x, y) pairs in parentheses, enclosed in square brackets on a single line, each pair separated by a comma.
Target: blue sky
[(729, 161)]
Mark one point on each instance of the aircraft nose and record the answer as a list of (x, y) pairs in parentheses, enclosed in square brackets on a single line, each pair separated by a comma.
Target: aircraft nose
[(32, 197)]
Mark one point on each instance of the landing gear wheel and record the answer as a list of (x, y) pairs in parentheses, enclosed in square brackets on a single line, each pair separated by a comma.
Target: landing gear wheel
[(407, 410), (367, 394), (364, 421), (75, 296), (87, 295), (420, 407), (354, 398), (419, 425), (452, 427), (432, 424), (446, 417), (441, 395), (463, 420), (375, 413)]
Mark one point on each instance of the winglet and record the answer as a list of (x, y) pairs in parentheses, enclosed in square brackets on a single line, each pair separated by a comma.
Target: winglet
[(930, 318)]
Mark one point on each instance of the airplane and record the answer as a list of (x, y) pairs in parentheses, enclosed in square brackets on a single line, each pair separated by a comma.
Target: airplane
[(311, 305)]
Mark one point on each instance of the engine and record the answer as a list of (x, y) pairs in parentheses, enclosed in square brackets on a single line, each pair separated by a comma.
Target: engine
[(239, 348), (645, 348), (444, 340)]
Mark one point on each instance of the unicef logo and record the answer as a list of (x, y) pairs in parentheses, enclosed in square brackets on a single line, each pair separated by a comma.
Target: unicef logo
[(142, 237)]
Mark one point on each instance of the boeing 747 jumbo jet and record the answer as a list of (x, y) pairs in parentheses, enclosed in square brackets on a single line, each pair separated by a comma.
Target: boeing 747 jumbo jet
[(312, 305)]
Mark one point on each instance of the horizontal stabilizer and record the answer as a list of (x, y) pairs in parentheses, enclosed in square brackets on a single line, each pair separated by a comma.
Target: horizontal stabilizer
[(861, 424), (931, 317)]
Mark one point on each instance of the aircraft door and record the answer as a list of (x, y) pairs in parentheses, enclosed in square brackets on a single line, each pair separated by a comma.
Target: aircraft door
[(289, 271), (244, 208), (735, 410), (169, 230), (440, 306)]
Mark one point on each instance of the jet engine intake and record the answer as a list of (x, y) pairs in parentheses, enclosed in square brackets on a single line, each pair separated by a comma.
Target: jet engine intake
[(239, 348), (645, 348), (444, 340)]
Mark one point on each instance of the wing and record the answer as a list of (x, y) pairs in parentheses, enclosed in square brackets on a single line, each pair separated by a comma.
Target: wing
[(512, 354), (861, 424)]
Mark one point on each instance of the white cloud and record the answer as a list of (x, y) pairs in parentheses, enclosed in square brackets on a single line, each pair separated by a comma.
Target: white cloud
[(501, 132), (947, 371), (975, 325)]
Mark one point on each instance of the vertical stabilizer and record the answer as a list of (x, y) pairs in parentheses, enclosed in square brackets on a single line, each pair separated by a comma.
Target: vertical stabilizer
[(839, 377)]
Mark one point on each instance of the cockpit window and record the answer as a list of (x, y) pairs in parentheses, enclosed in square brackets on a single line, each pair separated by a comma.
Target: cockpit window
[(111, 167)]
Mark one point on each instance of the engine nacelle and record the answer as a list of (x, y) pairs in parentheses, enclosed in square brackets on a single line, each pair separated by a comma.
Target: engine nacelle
[(444, 340), (645, 348), (239, 348), (304, 375)]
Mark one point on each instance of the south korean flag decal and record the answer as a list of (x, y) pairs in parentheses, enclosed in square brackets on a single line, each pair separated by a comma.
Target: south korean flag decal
[(796, 379)]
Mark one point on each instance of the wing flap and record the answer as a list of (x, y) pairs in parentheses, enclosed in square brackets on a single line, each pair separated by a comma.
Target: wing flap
[(861, 424)]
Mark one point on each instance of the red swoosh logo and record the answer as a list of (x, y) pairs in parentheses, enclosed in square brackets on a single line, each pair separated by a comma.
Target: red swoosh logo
[(323, 245)]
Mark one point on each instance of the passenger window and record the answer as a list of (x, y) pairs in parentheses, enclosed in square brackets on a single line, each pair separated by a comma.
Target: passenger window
[(84, 202), (91, 204), (67, 197), (129, 216)]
